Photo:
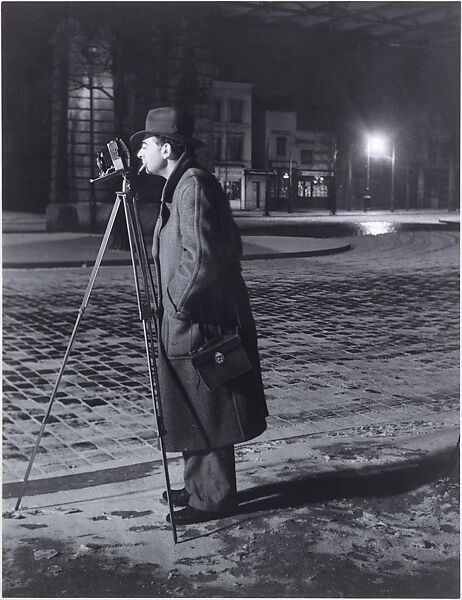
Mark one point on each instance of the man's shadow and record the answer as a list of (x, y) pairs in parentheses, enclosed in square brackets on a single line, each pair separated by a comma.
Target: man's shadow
[(346, 483), (371, 481)]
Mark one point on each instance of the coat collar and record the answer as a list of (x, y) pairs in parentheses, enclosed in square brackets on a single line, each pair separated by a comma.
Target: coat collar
[(185, 162)]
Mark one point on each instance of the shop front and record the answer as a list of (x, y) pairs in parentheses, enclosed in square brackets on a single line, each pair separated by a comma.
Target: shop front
[(279, 184), (232, 180), (300, 190), (314, 189)]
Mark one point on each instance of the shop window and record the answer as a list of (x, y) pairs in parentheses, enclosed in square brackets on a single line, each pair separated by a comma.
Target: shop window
[(281, 146), (235, 145), (235, 110), (304, 188), (306, 157), (233, 190), (320, 188), (283, 188)]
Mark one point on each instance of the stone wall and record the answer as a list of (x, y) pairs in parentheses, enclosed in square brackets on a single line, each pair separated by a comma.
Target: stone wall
[(102, 90), (83, 121)]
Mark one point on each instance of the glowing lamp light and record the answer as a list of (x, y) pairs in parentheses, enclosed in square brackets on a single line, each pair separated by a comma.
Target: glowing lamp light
[(376, 145)]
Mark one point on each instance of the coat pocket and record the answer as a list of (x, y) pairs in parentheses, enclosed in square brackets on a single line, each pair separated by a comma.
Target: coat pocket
[(179, 336)]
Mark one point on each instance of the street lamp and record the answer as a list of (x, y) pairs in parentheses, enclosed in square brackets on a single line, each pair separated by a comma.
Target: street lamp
[(377, 147), (392, 191)]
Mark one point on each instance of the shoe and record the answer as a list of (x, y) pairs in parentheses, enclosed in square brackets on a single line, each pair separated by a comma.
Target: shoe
[(190, 515), (179, 497)]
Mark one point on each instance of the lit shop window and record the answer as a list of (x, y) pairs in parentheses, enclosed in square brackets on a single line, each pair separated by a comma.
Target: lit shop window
[(233, 190), (320, 189), (304, 189)]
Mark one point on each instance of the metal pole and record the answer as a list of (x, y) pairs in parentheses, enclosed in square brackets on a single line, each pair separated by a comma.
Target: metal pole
[(289, 195), (226, 162), (452, 199), (392, 192), (367, 197), (91, 84), (350, 180), (333, 207), (368, 181), (267, 195)]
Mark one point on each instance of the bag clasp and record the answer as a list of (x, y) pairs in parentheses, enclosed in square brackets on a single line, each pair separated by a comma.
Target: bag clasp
[(219, 358)]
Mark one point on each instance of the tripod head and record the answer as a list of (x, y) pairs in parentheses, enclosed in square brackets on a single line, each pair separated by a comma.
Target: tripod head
[(113, 160)]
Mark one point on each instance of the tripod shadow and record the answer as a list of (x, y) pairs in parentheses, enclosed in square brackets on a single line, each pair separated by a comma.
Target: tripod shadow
[(340, 485)]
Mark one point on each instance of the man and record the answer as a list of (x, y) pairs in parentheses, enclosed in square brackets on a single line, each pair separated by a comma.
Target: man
[(197, 250)]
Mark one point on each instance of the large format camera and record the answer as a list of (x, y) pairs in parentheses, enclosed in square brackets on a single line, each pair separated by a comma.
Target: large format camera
[(113, 160)]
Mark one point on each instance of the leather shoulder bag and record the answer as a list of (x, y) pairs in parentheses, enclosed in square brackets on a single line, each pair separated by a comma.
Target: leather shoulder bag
[(221, 359)]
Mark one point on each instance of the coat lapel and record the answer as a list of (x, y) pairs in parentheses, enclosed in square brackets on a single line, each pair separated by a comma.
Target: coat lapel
[(185, 162)]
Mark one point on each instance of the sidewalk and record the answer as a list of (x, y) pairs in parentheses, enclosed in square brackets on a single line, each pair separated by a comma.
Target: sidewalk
[(401, 215), (333, 516), (27, 244), (15, 222), (49, 250)]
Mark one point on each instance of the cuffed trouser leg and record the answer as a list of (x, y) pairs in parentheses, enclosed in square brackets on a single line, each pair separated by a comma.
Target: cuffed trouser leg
[(210, 478)]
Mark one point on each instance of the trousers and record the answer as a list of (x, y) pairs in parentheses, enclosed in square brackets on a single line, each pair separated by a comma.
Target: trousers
[(210, 478)]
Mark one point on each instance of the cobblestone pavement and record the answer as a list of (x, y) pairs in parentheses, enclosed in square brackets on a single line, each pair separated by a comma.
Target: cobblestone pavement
[(366, 337)]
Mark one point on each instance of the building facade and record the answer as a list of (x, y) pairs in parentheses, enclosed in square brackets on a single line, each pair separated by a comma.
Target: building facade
[(298, 165), (232, 137)]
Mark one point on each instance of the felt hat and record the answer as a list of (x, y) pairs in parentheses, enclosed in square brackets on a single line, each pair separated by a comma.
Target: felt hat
[(169, 122)]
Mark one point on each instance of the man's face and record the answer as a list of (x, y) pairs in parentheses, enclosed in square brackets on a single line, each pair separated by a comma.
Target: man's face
[(153, 156)]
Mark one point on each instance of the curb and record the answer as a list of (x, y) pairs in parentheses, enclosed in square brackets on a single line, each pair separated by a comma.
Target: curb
[(75, 481), (301, 254), (453, 225), (439, 461), (123, 262)]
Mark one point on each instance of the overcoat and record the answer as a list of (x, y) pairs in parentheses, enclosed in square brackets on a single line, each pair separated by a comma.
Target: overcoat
[(197, 249)]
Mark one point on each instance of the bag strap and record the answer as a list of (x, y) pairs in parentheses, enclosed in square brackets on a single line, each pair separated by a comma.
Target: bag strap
[(206, 333), (235, 306)]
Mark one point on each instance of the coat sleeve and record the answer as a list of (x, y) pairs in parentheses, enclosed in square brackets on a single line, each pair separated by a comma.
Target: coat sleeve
[(201, 244)]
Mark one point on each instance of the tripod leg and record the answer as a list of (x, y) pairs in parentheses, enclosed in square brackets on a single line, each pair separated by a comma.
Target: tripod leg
[(138, 250), (69, 347), (147, 274), (153, 378)]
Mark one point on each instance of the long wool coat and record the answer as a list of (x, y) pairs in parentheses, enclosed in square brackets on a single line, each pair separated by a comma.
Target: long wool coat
[(196, 250)]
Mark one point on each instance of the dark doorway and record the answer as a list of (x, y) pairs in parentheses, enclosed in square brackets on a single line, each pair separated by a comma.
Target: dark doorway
[(257, 194)]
